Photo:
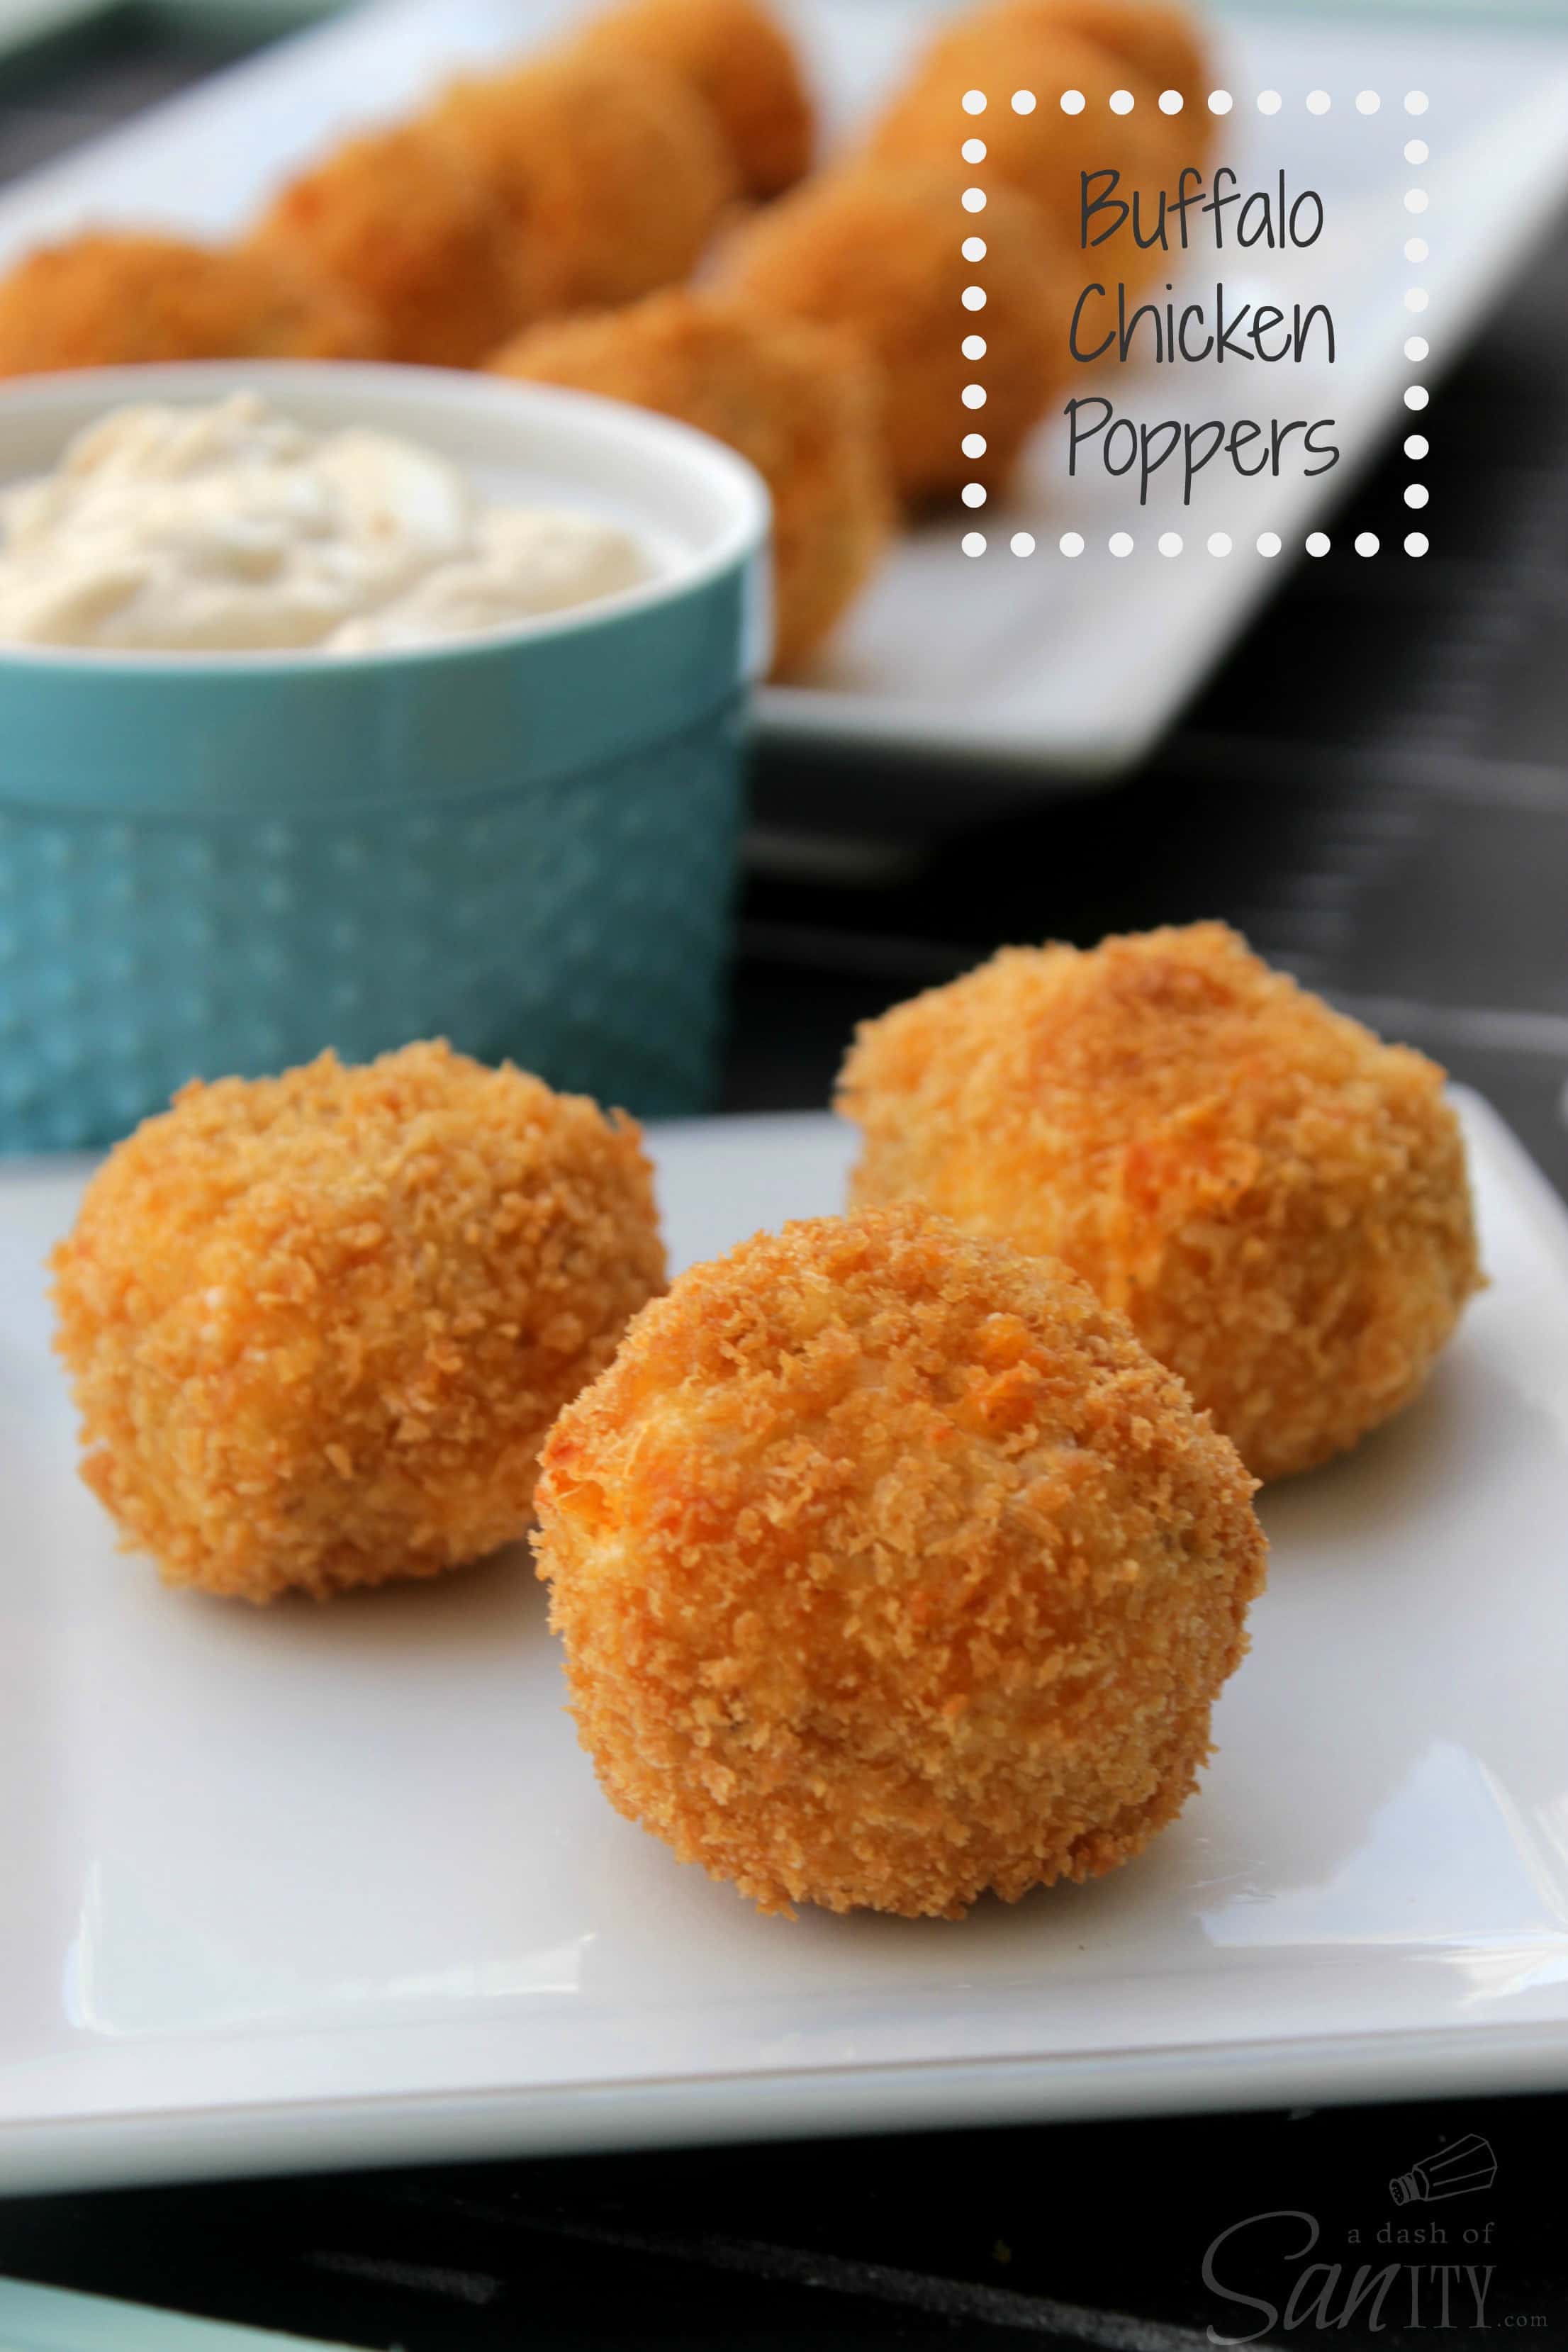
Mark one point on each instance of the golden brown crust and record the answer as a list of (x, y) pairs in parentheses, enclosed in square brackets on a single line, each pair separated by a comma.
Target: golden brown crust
[(612, 169), (891, 1568), (318, 1325), (739, 61), (1277, 1200), (110, 299), (400, 222), (875, 250), (800, 403)]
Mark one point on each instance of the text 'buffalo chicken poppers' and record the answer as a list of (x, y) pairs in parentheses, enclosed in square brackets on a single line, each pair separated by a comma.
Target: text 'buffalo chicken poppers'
[(317, 1326), (891, 1568), (1276, 1200)]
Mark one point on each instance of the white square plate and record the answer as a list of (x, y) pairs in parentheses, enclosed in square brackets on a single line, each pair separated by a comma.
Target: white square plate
[(320, 1885), (1059, 668)]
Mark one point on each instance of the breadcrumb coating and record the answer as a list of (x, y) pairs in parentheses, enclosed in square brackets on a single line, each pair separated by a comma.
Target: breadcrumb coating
[(803, 406), (1277, 1200), (891, 1568), (424, 244), (318, 1325), (871, 250), (739, 60), (612, 169), (112, 299)]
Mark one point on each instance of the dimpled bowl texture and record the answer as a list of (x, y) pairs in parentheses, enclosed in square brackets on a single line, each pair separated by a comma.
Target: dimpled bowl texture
[(525, 844)]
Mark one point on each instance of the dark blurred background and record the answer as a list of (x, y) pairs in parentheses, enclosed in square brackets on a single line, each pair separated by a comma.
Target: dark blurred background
[(1375, 789)]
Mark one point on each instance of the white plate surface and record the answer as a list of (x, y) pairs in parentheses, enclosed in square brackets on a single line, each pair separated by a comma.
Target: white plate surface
[(1065, 669), (320, 1885)]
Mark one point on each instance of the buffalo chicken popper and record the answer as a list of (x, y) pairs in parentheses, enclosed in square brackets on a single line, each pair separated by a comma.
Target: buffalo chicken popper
[(802, 405), (405, 227), (1276, 1200), (121, 298), (891, 1568), (317, 1326)]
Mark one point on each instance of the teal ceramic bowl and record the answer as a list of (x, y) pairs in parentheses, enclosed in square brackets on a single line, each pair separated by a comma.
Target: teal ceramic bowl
[(525, 844)]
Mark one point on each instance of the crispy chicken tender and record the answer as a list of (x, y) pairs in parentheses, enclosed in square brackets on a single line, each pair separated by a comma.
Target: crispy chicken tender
[(1276, 1200), (738, 58), (317, 1326), (612, 168), (875, 250), (421, 241), (114, 297), (1019, 44), (800, 403), (891, 1568)]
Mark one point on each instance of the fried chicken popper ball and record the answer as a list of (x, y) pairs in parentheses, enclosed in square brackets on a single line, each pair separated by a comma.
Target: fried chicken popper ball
[(801, 404), (401, 223), (891, 1568), (612, 169), (737, 57), (1277, 1200), (113, 298), (1016, 44), (317, 1326), (875, 250)]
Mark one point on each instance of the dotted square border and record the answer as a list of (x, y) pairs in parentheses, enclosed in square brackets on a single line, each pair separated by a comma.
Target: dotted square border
[(1219, 102)]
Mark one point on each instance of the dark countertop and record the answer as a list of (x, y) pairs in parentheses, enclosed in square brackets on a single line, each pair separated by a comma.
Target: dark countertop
[(1375, 788)]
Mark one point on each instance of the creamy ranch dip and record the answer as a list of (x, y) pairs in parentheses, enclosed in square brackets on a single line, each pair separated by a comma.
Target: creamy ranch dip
[(227, 528)]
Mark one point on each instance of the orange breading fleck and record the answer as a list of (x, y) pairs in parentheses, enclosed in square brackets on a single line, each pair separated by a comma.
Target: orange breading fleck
[(1277, 1200), (317, 1326), (892, 1569)]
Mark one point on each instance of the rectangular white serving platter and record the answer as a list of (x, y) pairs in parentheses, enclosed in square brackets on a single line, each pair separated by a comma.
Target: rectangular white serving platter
[(317, 1886), (1064, 670)]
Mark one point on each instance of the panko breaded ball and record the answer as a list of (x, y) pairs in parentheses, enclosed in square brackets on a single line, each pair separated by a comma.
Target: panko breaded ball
[(401, 223), (118, 297), (1018, 44), (612, 169), (317, 1326), (801, 404), (891, 1568), (1276, 1200), (739, 60), (875, 250)]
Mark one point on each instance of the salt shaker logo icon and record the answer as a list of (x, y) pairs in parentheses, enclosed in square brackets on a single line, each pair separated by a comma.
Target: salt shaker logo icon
[(1465, 2166)]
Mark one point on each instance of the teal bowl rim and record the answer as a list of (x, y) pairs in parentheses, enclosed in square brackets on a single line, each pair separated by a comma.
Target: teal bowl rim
[(227, 735), (93, 390)]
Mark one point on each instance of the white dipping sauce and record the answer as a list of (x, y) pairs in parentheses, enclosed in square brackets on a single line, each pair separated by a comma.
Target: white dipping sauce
[(227, 528)]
